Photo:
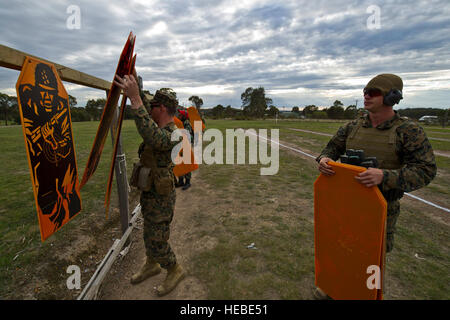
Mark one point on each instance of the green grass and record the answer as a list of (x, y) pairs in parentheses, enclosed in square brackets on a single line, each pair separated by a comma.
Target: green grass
[(276, 213), (21, 250), (238, 207)]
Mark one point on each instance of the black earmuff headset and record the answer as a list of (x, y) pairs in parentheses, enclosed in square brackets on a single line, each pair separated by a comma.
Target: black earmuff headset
[(393, 97)]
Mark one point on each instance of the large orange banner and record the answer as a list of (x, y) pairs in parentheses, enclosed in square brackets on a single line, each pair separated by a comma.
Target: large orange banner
[(47, 128)]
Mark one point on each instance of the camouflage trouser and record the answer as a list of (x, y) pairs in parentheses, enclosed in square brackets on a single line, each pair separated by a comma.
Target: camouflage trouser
[(157, 212), (393, 211)]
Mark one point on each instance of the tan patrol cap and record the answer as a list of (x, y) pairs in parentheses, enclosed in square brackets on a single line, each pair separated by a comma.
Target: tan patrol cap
[(385, 82)]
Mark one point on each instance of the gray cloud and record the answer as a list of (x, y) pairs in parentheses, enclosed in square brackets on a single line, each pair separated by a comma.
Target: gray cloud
[(302, 52)]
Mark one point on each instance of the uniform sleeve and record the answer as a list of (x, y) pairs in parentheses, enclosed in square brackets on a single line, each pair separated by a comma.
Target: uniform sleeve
[(158, 138), (337, 144), (420, 165)]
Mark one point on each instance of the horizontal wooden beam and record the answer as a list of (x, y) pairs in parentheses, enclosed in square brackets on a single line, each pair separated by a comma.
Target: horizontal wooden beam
[(13, 59)]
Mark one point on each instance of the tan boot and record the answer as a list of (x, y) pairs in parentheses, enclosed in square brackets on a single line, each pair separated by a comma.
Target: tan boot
[(174, 275), (149, 269)]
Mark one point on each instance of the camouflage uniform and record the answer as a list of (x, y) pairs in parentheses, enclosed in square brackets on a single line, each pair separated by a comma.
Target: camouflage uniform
[(157, 204), (188, 127), (201, 117), (414, 154)]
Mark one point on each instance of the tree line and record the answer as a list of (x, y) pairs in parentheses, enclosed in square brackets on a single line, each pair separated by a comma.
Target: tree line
[(92, 111), (9, 109), (255, 104)]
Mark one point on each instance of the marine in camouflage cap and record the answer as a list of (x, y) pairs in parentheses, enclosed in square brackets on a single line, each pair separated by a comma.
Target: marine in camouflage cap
[(405, 154), (167, 97), (158, 194)]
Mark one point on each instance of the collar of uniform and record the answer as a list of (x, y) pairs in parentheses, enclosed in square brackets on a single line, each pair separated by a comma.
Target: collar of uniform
[(171, 125), (382, 126)]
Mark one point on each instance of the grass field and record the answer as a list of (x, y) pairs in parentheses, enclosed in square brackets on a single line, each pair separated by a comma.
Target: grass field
[(21, 250), (276, 213), (237, 206)]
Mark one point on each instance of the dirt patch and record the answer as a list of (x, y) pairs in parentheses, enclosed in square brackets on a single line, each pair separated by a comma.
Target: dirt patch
[(183, 241), (48, 279), (435, 214)]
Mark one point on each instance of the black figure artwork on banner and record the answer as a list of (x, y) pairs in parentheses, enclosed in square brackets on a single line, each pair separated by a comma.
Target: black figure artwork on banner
[(47, 129)]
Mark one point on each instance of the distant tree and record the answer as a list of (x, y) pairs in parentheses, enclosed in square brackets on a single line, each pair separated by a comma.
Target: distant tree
[(229, 112), (197, 101), (350, 112), (319, 115), (4, 100), (336, 111), (72, 101), (95, 107), (273, 111), (9, 108), (79, 114), (218, 111), (309, 110), (254, 102), (295, 109), (338, 103), (443, 118)]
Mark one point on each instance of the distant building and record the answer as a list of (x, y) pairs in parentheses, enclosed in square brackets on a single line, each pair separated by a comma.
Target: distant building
[(429, 119)]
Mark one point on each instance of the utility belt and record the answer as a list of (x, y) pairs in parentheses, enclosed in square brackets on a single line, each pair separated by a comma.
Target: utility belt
[(144, 177)]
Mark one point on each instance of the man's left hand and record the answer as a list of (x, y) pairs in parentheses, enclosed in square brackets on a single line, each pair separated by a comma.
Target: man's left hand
[(371, 177)]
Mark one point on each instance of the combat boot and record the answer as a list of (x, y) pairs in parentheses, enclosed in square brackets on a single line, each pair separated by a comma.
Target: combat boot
[(149, 269), (187, 184), (174, 275), (180, 182)]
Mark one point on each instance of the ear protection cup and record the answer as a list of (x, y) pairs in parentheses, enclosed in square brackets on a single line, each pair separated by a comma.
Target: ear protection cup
[(393, 97)]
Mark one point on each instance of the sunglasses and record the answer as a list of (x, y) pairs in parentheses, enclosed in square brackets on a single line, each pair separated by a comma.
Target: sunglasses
[(154, 105), (372, 92)]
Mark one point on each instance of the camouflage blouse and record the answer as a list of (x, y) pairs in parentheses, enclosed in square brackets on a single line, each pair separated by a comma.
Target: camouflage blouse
[(412, 148)]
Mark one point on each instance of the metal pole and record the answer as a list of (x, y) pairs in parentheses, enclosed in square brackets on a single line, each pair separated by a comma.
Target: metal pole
[(120, 170)]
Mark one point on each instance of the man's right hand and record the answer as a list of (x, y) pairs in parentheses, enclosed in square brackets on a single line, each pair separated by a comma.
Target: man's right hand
[(325, 168), (130, 88)]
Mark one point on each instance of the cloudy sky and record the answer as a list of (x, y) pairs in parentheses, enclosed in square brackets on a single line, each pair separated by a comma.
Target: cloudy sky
[(301, 52)]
